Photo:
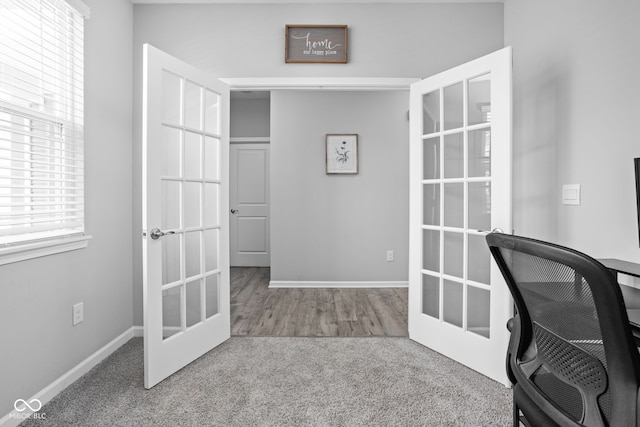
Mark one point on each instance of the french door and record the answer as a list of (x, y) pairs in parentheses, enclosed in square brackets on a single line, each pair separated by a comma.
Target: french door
[(460, 189), (185, 214)]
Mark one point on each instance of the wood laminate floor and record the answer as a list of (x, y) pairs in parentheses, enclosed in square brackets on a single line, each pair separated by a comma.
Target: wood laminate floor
[(257, 310)]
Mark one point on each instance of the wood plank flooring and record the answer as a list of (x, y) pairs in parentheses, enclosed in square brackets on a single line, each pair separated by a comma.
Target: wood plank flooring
[(257, 310)]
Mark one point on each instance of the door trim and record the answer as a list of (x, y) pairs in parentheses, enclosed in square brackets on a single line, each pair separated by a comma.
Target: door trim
[(319, 83), (310, 284), (251, 139)]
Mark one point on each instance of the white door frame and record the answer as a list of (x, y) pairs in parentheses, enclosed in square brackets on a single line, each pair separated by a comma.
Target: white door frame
[(234, 258), (319, 83), (314, 84)]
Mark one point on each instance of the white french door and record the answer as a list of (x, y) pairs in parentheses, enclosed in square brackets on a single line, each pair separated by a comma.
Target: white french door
[(460, 189), (185, 214)]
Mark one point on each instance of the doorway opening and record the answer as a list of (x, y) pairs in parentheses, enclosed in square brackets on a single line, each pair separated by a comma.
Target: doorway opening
[(249, 179), (333, 212)]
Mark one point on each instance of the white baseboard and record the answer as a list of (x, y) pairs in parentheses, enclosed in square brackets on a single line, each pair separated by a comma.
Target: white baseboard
[(14, 418), (336, 284)]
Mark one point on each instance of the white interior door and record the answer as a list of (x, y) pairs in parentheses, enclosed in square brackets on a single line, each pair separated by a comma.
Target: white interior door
[(460, 187), (249, 203), (185, 214)]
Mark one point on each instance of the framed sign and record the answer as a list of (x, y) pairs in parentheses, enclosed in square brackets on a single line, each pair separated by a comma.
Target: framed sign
[(342, 153), (315, 44)]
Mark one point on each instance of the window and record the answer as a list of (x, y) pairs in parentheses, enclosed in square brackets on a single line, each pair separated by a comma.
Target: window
[(41, 124)]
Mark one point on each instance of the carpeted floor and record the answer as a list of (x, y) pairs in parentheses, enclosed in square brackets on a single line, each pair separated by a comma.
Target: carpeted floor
[(287, 382)]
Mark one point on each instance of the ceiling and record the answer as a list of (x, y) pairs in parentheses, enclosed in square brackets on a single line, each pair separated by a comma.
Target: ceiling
[(306, 1)]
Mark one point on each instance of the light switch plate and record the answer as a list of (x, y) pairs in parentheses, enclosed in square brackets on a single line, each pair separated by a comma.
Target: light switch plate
[(78, 313), (571, 194)]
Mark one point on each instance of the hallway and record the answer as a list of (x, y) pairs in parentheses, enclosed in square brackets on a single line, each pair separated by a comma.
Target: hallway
[(257, 310)]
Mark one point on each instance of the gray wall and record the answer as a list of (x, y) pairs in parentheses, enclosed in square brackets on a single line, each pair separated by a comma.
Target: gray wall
[(576, 91), (400, 40), (38, 342), (338, 227), (249, 117), (392, 40)]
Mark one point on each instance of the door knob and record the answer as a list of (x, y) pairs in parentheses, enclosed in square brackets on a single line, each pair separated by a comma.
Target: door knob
[(234, 211), (156, 233)]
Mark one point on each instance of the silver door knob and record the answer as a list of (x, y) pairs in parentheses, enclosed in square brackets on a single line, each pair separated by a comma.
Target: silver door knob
[(156, 233), (234, 211)]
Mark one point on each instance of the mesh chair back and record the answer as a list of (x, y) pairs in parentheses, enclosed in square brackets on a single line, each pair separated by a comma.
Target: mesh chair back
[(572, 330)]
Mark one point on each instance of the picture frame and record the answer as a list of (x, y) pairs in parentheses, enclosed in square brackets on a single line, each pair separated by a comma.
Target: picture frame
[(316, 44), (342, 153)]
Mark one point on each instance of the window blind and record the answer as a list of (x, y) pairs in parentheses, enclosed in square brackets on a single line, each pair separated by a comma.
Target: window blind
[(41, 120)]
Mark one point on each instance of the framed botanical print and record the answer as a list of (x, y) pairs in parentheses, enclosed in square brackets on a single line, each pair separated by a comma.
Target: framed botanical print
[(342, 153)]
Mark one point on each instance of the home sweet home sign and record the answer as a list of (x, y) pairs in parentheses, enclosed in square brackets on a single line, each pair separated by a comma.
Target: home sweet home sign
[(316, 44)]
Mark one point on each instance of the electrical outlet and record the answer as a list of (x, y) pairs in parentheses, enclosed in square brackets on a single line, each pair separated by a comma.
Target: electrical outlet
[(389, 255), (78, 313)]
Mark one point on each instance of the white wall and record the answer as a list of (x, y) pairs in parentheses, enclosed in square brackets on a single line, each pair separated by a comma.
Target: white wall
[(339, 227), (399, 40), (38, 342), (576, 91)]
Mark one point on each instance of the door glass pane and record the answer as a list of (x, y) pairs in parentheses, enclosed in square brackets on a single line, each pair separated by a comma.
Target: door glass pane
[(192, 155), (171, 152), (211, 215), (480, 153), (431, 112), (193, 303), (193, 106), (212, 294), (192, 206), (479, 260), (211, 250), (453, 251), (454, 204), (478, 309), (431, 295), (211, 157), (212, 112), (170, 211), (431, 158), (454, 156), (452, 302), (431, 250), (171, 98), (480, 99), (431, 199), (192, 253), (479, 205), (170, 258), (453, 106), (171, 312)]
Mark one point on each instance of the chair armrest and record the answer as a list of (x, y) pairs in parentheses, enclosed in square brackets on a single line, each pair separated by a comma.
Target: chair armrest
[(511, 323)]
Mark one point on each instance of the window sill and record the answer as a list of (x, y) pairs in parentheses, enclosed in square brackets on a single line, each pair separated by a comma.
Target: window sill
[(27, 251)]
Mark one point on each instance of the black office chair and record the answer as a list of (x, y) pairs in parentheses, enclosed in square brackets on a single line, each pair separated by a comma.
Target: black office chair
[(572, 356)]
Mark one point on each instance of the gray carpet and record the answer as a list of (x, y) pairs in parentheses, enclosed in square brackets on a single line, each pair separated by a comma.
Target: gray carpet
[(287, 382)]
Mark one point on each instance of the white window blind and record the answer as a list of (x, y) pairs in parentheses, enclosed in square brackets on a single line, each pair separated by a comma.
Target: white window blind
[(41, 120)]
